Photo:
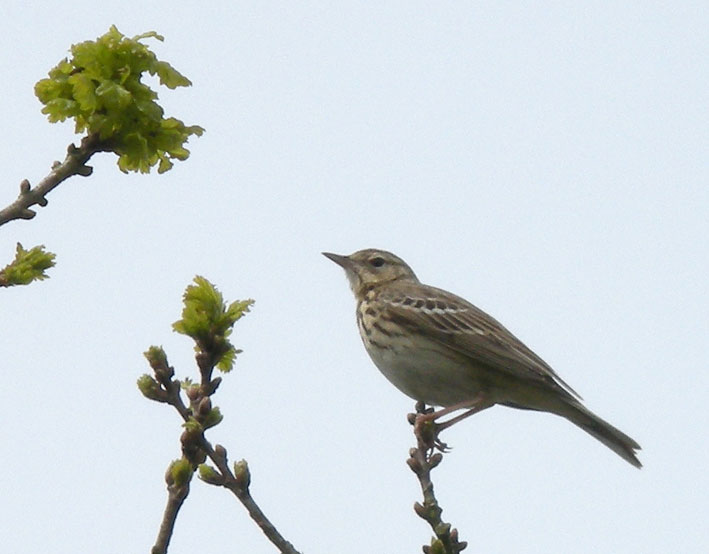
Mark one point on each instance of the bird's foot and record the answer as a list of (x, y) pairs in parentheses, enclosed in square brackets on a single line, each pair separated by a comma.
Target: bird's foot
[(441, 446), (426, 431)]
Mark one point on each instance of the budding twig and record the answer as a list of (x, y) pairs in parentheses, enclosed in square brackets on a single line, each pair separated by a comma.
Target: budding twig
[(196, 448), (422, 460)]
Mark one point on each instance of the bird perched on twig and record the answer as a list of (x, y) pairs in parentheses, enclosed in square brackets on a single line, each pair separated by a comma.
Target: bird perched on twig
[(439, 349)]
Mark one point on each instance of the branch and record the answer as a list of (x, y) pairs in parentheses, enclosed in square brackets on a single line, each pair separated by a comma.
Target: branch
[(422, 460), (176, 495), (73, 164), (238, 483), (195, 446)]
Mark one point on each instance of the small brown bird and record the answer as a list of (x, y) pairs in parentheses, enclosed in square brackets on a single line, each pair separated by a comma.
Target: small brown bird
[(439, 349)]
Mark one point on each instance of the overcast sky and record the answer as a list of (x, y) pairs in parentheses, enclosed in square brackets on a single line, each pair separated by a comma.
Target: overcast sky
[(547, 161)]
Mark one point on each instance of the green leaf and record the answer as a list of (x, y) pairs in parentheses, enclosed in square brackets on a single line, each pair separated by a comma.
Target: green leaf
[(28, 265), (49, 89), (60, 109), (194, 130), (84, 91), (149, 109), (113, 96), (226, 363), (149, 34), (169, 76), (64, 67), (165, 164), (238, 309)]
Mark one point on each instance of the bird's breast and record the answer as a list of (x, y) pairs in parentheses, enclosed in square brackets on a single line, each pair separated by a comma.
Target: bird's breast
[(417, 366)]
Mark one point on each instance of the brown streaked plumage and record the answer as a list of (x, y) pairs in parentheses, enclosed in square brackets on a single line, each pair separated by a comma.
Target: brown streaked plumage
[(440, 349)]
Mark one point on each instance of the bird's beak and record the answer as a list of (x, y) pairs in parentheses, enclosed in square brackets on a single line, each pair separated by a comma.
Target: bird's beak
[(350, 267), (343, 261)]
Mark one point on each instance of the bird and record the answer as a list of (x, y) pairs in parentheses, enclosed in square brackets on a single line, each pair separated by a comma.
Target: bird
[(441, 350)]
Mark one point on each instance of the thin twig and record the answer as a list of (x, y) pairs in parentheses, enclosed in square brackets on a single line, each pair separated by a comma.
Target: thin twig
[(176, 496), (73, 164), (237, 483), (422, 460)]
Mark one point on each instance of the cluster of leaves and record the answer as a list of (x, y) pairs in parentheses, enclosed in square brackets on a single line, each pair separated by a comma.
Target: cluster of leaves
[(28, 265), (208, 320), (100, 88)]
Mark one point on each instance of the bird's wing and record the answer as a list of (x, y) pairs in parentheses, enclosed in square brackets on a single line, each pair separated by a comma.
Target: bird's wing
[(457, 324)]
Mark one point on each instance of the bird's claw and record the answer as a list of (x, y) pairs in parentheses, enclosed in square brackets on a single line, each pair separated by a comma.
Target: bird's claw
[(426, 431), (441, 446)]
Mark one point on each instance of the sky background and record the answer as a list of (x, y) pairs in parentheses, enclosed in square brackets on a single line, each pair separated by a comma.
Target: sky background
[(547, 161)]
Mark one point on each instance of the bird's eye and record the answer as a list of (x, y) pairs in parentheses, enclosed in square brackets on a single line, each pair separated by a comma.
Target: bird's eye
[(377, 262)]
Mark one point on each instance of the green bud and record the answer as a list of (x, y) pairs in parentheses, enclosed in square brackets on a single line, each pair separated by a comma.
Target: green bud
[(220, 451), (210, 475), (242, 474), (205, 406), (156, 356), (181, 472), (192, 426), (437, 547), (151, 389), (214, 417), (192, 392), (442, 529)]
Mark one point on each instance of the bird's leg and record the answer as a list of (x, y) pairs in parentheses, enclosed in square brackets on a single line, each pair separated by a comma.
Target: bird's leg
[(477, 404)]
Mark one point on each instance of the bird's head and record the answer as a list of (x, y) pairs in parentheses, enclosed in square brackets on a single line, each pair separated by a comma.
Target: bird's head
[(370, 268)]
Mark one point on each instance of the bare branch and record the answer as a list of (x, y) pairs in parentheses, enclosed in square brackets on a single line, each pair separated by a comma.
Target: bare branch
[(238, 483), (176, 495), (73, 164)]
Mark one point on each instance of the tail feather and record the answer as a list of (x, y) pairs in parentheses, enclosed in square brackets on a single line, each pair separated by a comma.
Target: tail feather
[(613, 438)]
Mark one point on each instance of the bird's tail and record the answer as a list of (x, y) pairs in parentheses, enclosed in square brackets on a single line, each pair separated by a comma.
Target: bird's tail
[(613, 438)]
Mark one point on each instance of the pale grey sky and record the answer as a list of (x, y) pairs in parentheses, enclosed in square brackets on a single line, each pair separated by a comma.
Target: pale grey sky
[(546, 161)]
